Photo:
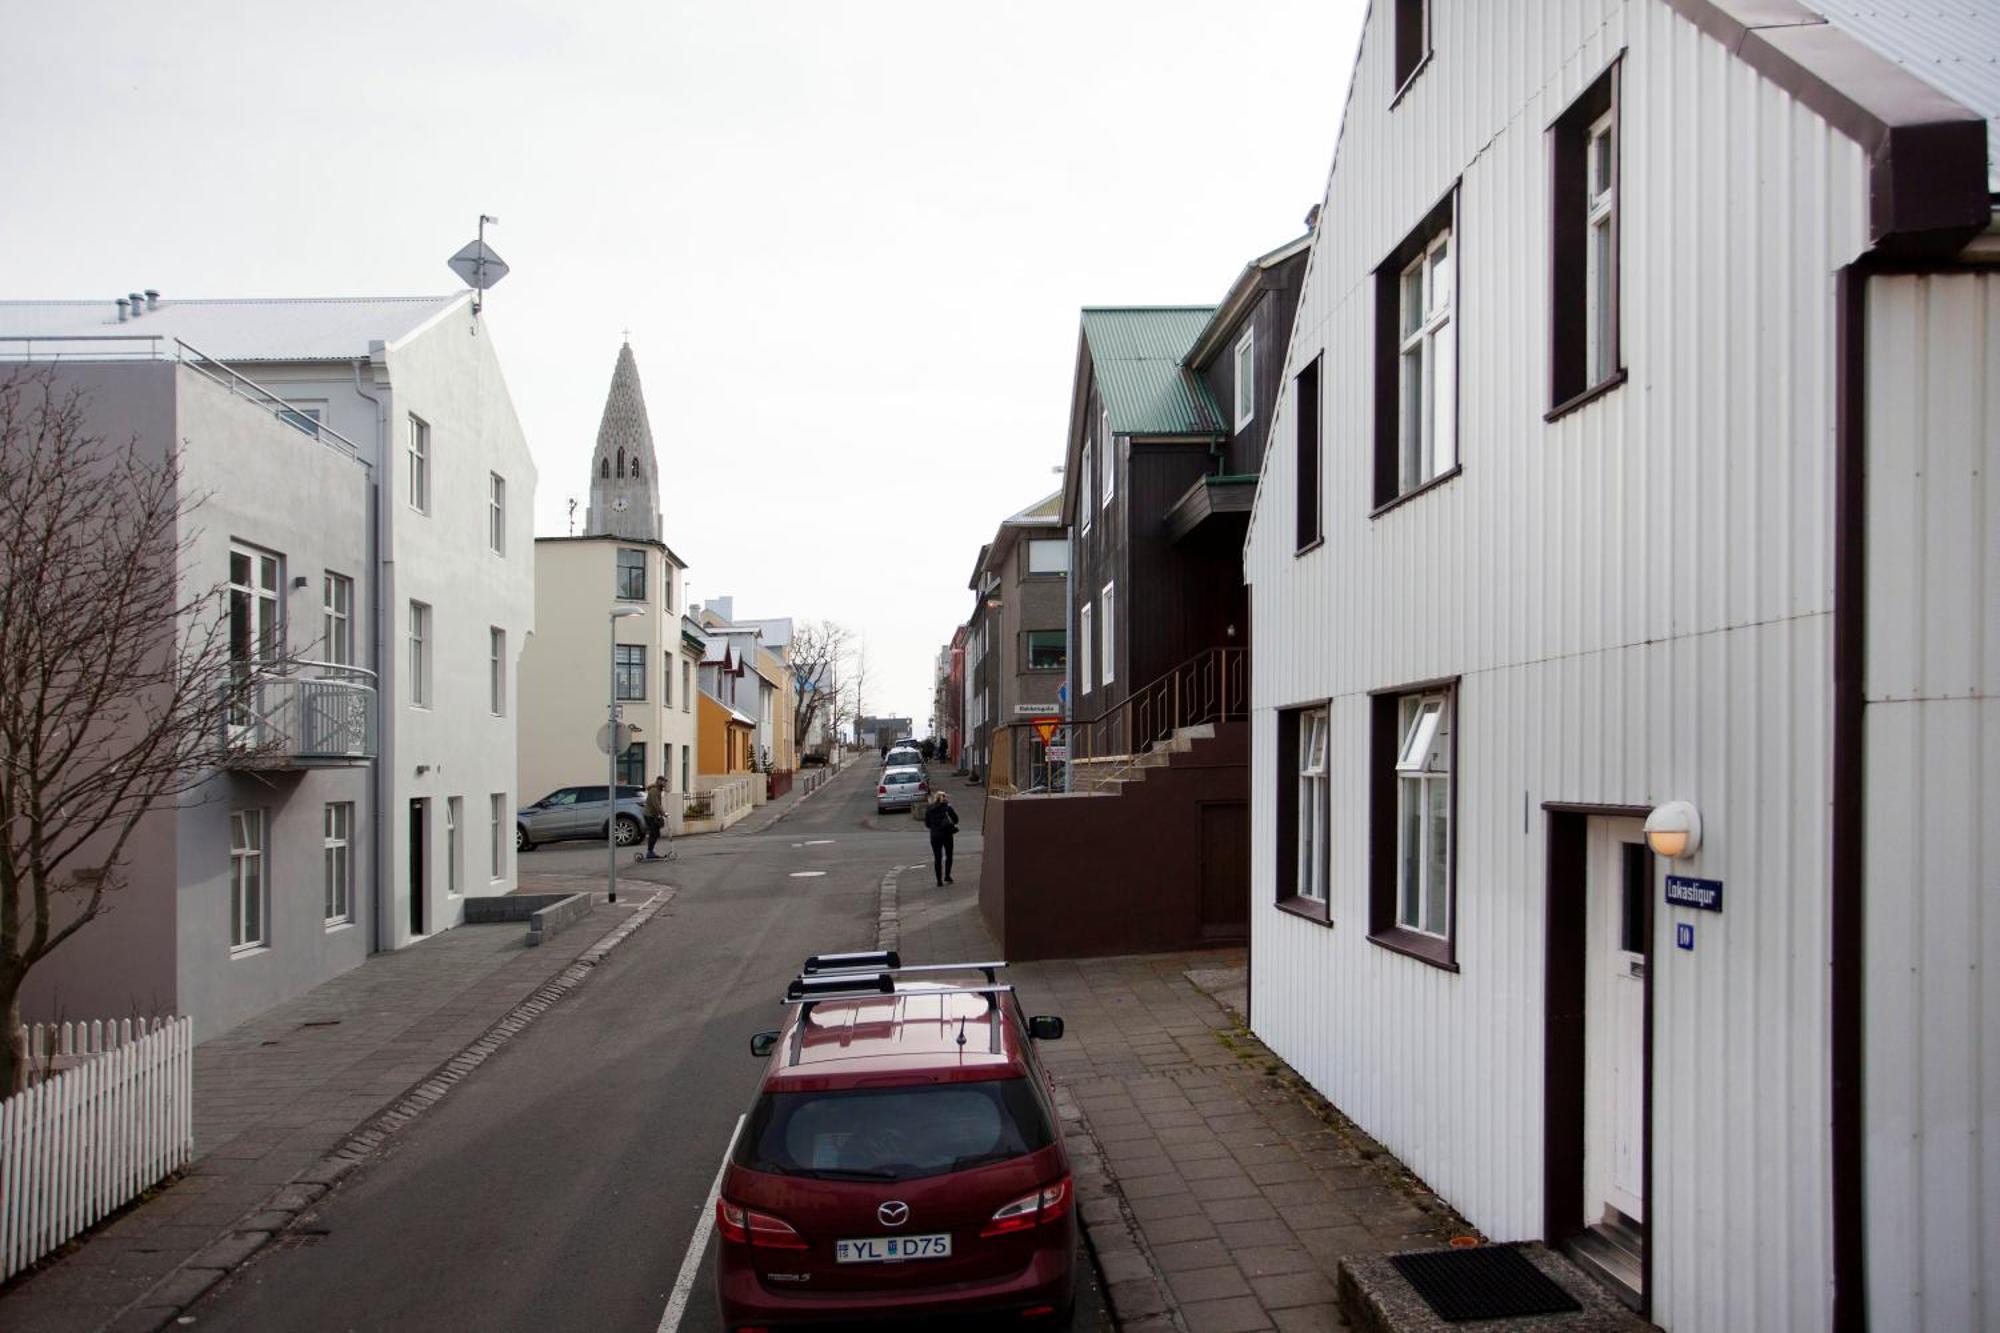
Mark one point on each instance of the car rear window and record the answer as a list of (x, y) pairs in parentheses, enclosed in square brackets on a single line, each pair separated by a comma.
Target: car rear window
[(903, 775), (893, 1133)]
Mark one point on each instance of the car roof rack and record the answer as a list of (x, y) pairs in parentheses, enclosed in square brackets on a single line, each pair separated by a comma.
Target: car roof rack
[(812, 988), (890, 962)]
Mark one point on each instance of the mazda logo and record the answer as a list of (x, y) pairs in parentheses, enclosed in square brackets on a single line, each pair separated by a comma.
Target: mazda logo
[(893, 1213)]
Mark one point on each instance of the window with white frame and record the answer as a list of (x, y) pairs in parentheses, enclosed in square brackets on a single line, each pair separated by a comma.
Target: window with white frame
[(256, 629), (1423, 814), (337, 618), (1600, 267), (687, 688), (1108, 457), (337, 840), (496, 512), (1086, 479), (496, 847), (1314, 810), (246, 880), (1048, 555), (1412, 39), (303, 417), (1584, 353), (1246, 378), (420, 655), (496, 671), (454, 844), (420, 464), (1108, 599), (1426, 367), (1086, 636)]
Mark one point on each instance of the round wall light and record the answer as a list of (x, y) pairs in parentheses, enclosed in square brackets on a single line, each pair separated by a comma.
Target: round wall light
[(1673, 830)]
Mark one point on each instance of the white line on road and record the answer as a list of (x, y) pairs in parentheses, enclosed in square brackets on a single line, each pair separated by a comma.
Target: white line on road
[(677, 1301), (808, 874)]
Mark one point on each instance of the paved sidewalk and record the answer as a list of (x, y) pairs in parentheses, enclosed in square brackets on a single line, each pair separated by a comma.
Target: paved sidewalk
[(1217, 1190), (276, 1096)]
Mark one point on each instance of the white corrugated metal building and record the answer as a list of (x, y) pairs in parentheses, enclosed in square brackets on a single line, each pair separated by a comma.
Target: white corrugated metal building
[(1636, 451)]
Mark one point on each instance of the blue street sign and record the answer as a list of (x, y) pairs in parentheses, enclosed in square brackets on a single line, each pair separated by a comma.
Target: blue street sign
[(1062, 693), (1701, 894), (1684, 934)]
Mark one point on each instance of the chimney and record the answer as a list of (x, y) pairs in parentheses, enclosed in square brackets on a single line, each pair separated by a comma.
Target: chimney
[(138, 303), (152, 298), (122, 306)]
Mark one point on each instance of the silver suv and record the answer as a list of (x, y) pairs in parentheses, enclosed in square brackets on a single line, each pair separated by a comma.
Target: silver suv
[(580, 812)]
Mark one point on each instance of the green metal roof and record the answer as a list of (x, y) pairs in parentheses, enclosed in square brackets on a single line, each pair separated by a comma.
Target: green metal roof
[(1136, 353)]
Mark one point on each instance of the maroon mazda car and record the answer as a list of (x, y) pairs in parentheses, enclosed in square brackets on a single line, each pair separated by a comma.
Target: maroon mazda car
[(902, 1158)]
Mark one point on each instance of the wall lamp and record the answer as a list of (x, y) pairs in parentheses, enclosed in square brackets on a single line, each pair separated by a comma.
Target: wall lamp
[(1673, 830)]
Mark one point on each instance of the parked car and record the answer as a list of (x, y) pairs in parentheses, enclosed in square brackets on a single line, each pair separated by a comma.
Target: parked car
[(900, 788), (580, 812), (902, 1157)]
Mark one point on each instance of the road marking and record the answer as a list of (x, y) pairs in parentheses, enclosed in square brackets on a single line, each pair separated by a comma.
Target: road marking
[(819, 842), (808, 874), (677, 1301)]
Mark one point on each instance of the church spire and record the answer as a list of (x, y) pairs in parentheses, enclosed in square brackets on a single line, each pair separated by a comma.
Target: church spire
[(624, 474)]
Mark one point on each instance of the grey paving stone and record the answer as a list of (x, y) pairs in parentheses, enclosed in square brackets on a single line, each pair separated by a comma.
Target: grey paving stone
[(1303, 1288), (1238, 1314), (1207, 1284)]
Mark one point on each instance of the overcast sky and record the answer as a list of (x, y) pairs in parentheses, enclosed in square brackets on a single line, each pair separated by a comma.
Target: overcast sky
[(850, 240)]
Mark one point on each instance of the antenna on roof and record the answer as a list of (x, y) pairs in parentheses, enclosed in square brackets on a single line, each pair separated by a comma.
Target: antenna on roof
[(479, 265)]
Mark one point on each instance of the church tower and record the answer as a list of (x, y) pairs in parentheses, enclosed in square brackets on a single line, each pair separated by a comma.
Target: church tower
[(624, 475)]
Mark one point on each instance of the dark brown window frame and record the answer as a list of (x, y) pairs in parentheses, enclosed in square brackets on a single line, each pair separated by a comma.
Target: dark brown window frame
[(1412, 43), (1287, 853), (1443, 216), (1570, 385), (1384, 740), (1309, 454)]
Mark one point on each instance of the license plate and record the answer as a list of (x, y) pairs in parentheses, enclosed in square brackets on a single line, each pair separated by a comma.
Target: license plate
[(892, 1249)]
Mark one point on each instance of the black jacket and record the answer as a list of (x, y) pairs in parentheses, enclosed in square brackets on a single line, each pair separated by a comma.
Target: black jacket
[(941, 820)]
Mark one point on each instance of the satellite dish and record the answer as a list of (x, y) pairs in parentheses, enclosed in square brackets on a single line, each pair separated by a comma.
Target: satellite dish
[(478, 265), (627, 733)]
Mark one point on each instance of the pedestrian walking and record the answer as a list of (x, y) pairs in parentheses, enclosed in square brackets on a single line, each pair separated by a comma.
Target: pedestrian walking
[(942, 821), (656, 816)]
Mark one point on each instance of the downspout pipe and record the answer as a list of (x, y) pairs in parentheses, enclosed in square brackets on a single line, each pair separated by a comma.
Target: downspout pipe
[(383, 897)]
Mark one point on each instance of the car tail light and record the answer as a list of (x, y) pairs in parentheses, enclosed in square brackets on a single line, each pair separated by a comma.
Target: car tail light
[(747, 1226), (1042, 1207), (881, 790)]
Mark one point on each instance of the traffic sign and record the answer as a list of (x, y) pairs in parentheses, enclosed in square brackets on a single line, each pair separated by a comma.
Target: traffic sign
[(1045, 727)]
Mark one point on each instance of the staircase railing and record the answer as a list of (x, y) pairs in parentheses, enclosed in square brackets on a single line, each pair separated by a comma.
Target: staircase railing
[(1211, 686)]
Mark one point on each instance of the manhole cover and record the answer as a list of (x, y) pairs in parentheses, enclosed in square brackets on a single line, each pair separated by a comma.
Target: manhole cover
[(1491, 1282)]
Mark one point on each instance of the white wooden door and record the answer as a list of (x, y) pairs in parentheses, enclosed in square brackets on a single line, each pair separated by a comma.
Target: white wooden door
[(1614, 1109)]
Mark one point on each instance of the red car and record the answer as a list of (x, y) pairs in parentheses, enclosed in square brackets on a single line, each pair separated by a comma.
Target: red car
[(902, 1158)]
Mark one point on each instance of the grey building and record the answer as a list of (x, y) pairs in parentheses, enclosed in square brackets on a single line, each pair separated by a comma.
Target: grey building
[(1019, 622)]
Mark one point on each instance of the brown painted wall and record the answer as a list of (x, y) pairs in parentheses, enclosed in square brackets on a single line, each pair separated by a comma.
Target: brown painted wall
[(1089, 876)]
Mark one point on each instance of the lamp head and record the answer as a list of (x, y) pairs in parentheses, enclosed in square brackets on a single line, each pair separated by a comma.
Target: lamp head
[(1673, 830), (620, 612)]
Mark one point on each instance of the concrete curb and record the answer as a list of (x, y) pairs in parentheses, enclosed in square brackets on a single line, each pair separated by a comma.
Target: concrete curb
[(888, 912), (164, 1302)]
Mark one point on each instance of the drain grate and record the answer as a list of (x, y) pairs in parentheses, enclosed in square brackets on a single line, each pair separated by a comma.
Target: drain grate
[(1490, 1282)]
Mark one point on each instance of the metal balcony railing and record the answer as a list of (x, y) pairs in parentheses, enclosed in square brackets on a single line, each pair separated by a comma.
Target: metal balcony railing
[(303, 715)]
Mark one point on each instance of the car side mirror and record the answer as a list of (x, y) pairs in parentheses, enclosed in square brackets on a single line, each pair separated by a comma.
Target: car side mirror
[(1045, 1027), (763, 1043)]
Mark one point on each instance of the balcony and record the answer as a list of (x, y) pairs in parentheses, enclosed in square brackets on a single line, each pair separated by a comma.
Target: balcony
[(296, 715)]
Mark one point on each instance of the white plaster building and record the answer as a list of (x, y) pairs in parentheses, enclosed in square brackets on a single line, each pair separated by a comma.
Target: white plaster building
[(568, 671), (1635, 448)]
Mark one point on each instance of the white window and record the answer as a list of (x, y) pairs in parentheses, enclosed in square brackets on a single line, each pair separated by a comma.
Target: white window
[(454, 845), (1048, 556), (687, 689), (337, 599), (305, 417), (1600, 263), (420, 655), (1427, 367), (1086, 638), (420, 464), (497, 837), (1108, 449), (1246, 378), (338, 841), (246, 880), (496, 512), (496, 671), (1110, 601), (1313, 808), (1085, 476), (256, 632), (1423, 815)]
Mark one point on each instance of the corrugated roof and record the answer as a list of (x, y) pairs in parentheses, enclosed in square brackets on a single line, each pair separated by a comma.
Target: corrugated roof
[(1953, 45), (306, 329), (1136, 353)]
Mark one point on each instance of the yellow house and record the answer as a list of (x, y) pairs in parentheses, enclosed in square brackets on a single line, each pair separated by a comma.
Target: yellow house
[(784, 748), (725, 738)]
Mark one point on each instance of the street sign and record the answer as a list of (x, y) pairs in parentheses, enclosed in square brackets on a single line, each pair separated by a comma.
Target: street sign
[(1056, 754), (1062, 693), (1045, 727), (627, 733), (1701, 894), (1031, 708), (478, 265)]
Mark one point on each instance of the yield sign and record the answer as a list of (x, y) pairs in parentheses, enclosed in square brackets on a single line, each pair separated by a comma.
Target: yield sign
[(1045, 727)]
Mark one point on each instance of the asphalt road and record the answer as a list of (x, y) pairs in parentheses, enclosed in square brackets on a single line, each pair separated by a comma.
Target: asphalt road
[(560, 1185)]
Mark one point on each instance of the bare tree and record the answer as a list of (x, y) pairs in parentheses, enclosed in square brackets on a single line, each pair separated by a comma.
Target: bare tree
[(816, 651), (114, 694)]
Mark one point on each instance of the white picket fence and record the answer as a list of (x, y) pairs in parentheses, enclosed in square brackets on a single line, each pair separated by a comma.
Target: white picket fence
[(114, 1116)]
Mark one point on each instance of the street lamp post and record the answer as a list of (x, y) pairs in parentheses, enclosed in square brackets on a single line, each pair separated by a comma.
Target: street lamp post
[(611, 739)]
